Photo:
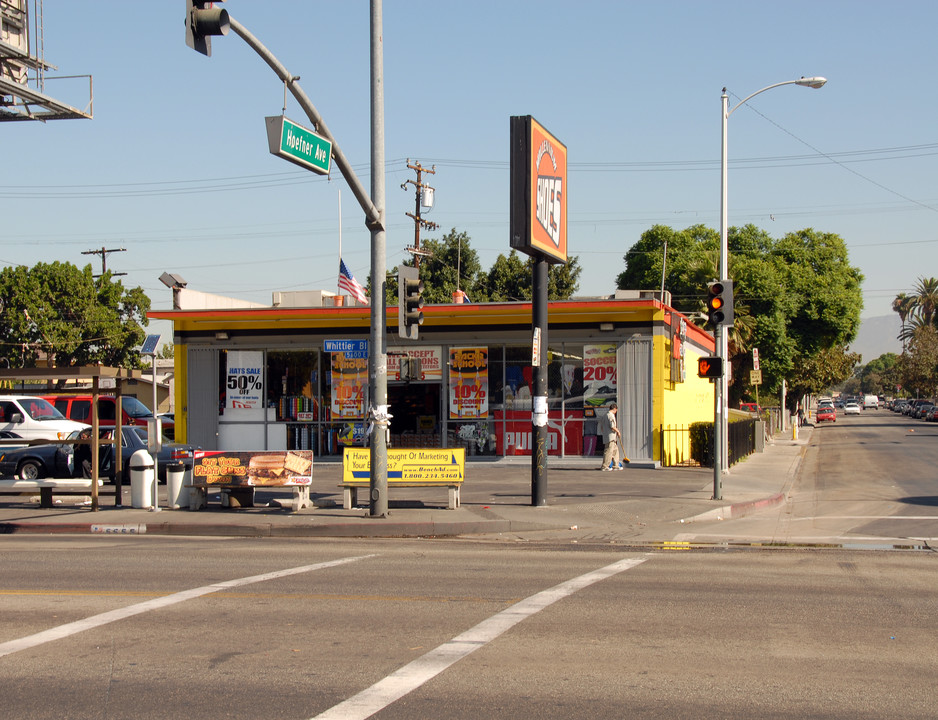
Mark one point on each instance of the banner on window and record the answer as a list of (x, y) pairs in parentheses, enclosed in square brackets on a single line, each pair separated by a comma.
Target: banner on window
[(468, 382), (349, 379), (244, 384), (599, 375)]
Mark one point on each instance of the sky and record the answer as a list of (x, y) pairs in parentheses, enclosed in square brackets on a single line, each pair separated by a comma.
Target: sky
[(175, 167)]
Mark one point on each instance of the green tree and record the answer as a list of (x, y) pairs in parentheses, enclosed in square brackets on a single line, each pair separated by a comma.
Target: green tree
[(918, 366), (690, 255), (795, 297), (450, 256), (63, 313)]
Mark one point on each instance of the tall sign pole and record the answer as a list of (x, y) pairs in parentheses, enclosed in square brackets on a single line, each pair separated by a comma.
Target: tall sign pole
[(378, 361), (538, 227), (309, 149)]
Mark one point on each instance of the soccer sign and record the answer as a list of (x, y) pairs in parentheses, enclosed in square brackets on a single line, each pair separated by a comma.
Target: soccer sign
[(538, 191)]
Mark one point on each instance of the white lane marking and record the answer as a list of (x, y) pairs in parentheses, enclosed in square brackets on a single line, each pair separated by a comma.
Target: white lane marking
[(425, 668), (72, 628)]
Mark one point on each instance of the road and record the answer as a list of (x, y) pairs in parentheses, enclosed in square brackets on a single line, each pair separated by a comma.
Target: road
[(867, 480), (174, 627), (145, 628)]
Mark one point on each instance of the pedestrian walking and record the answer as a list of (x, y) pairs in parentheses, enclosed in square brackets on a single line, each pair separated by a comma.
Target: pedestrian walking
[(610, 432)]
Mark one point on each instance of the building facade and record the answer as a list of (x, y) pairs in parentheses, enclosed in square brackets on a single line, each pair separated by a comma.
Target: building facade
[(294, 375)]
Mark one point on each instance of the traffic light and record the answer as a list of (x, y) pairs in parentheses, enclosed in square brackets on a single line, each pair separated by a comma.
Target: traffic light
[(720, 303), (202, 21), (710, 367), (409, 302)]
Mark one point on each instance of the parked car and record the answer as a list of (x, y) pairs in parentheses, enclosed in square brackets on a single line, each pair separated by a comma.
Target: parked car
[(826, 414), (37, 461), (34, 418), (920, 410), (750, 407), (133, 412), (133, 439), (932, 414), (851, 408)]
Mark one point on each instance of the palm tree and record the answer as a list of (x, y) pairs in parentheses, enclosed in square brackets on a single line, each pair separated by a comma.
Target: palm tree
[(902, 305), (925, 299)]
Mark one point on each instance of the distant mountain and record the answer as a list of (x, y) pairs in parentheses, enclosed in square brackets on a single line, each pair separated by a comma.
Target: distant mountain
[(877, 336)]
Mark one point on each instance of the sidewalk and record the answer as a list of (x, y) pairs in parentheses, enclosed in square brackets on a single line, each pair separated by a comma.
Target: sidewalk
[(636, 505)]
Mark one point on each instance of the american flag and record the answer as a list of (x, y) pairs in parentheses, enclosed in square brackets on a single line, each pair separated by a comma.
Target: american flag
[(349, 284)]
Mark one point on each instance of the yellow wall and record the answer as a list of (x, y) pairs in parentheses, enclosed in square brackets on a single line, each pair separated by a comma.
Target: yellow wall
[(677, 405)]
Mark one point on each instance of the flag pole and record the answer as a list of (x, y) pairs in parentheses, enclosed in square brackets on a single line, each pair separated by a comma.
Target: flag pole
[(338, 289)]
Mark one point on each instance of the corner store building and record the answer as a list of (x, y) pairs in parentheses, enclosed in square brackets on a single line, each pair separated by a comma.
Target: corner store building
[(291, 375)]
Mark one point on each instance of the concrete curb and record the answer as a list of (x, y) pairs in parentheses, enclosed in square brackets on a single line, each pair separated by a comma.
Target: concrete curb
[(375, 529)]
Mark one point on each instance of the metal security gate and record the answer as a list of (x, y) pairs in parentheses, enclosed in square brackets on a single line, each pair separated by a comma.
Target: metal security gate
[(202, 399), (633, 361)]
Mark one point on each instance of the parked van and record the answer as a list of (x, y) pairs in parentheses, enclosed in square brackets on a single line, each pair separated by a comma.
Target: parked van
[(870, 402), (34, 418), (133, 412)]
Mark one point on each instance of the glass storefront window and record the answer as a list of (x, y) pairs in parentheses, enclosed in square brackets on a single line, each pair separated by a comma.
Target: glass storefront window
[(293, 385)]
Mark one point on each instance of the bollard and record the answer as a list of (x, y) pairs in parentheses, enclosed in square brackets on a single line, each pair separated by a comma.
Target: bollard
[(178, 495), (141, 479)]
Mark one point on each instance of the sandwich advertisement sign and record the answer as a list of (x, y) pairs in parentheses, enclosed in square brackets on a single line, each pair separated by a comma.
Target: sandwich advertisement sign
[(253, 468)]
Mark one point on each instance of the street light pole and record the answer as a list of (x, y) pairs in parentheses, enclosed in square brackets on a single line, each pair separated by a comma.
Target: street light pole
[(720, 410)]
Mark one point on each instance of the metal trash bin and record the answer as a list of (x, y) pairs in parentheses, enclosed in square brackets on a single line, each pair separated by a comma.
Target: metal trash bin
[(175, 475), (141, 480)]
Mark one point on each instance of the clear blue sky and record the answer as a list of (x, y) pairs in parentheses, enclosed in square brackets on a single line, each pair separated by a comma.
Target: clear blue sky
[(175, 168)]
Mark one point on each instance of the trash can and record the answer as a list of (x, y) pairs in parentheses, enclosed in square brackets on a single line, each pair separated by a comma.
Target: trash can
[(178, 496), (141, 479)]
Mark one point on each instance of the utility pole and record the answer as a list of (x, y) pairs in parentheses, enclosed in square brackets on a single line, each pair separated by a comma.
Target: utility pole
[(104, 252), (423, 197)]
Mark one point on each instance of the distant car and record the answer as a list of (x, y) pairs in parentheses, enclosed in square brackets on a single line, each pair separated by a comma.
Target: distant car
[(34, 462), (851, 408), (826, 414), (750, 407), (921, 410)]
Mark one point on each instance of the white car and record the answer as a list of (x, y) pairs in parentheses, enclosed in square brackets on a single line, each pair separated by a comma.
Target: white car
[(851, 408)]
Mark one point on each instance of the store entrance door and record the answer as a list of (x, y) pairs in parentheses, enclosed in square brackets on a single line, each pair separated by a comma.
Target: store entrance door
[(416, 411)]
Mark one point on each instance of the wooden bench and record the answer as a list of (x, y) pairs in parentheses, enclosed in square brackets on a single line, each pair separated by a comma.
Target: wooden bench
[(48, 487), (241, 495), (350, 489)]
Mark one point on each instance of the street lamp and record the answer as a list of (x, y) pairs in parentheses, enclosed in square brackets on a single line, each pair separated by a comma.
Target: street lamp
[(720, 454)]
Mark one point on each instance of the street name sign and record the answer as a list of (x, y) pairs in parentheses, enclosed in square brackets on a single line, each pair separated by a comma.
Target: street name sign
[(298, 145)]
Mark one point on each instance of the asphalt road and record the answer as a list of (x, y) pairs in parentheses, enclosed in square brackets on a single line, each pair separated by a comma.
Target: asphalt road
[(864, 479), (246, 628)]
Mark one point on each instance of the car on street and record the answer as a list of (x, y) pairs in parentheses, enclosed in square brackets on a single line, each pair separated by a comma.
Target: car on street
[(134, 438), (37, 461), (851, 408), (826, 414), (920, 410)]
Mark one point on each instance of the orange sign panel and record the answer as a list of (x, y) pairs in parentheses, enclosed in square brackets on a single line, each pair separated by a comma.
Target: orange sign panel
[(538, 191), (548, 193)]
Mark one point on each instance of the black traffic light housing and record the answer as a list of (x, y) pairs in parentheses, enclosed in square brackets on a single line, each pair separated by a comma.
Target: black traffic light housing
[(202, 21), (710, 367), (409, 302), (720, 303)]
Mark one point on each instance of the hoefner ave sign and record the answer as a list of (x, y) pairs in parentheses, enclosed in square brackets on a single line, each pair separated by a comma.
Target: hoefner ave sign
[(295, 143)]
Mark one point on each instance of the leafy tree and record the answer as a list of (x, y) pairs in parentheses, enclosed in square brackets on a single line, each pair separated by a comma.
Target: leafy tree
[(880, 376), (63, 313), (918, 366), (448, 256), (820, 371), (691, 253), (511, 278), (795, 297)]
